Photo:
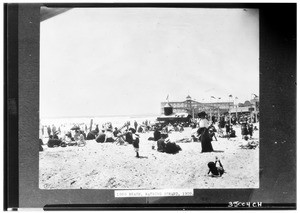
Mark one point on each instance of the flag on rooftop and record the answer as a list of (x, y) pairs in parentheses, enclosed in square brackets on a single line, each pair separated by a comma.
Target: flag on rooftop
[(213, 97)]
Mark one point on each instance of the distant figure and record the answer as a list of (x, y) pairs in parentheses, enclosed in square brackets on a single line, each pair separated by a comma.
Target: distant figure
[(53, 129), (213, 119), (216, 168), (222, 122), (40, 145), (227, 127), (244, 129), (135, 125), (48, 131), (250, 130)]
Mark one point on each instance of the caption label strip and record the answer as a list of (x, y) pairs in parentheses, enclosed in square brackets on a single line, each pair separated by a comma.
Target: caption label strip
[(154, 193)]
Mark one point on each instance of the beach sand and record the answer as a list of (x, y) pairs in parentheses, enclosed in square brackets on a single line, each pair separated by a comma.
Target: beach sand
[(111, 166)]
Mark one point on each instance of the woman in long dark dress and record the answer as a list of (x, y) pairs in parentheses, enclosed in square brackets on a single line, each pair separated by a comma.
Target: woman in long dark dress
[(204, 133)]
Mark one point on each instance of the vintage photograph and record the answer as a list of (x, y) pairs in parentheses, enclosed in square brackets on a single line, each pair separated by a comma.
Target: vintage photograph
[(149, 98)]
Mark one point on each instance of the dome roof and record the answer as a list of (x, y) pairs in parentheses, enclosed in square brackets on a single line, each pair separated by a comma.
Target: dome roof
[(167, 105), (188, 97)]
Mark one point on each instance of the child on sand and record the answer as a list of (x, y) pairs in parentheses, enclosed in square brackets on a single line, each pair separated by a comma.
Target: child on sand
[(216, 168), (135, 141)]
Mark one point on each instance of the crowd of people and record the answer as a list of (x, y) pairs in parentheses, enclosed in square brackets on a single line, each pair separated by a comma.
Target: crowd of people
[(204, 130)]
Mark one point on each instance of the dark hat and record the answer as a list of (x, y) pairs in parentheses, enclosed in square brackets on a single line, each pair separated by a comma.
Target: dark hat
[(202, 114)]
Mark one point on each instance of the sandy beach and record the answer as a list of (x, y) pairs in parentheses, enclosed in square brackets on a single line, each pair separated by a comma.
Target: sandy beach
[(111, 166)]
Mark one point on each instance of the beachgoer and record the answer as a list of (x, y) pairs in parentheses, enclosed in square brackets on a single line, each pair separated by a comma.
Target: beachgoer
[(81, 141), (101, 137), (203, 132), (140, 129), (161, 146), (135, 125), (250, 130), (135, 141), (181, 129), (212, 130), (216, 168), (157, 136), (40, 145), (109, 136), (49, 131), (171, 147), (244, 129), (128, 137)]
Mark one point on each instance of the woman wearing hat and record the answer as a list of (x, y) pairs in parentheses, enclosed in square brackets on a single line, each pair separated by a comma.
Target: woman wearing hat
[(204, 134)]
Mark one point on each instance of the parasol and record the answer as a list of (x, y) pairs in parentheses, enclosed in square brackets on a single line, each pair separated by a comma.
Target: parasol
[(75, 128)]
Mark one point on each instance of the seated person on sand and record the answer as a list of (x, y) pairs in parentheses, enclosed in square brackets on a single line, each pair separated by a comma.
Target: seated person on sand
[(172, 147), (116, 132), (77, 135), (181, 129), (140, 129), (156, 137), (92, 135), (68, 141), (220, 133), (101, 137), (55, 135), (81, 141), (248, 144), (161, 146), (41, 145), (211, 131), (109, 136), (53, 142), (165, 145), (215, 168)]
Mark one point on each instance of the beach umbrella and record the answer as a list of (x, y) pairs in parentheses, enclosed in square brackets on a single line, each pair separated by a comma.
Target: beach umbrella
[(75, 128)]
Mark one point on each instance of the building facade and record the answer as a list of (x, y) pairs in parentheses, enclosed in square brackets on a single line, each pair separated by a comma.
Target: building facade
[(194, 107), (249, 108)]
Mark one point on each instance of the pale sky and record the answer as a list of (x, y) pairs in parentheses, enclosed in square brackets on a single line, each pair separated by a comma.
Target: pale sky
[(125, 61)]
